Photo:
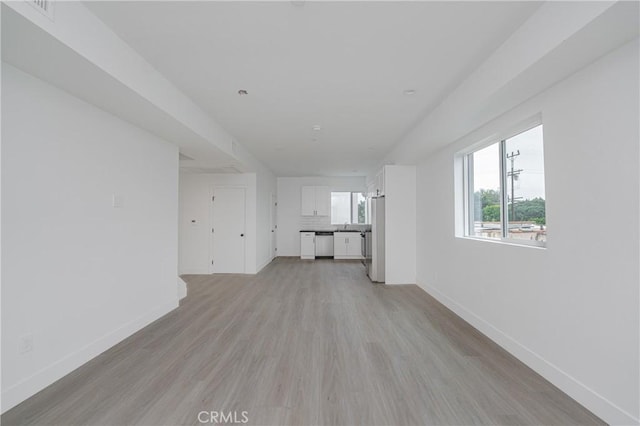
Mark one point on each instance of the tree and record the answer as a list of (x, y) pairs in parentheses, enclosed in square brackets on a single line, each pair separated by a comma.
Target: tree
[(488, 197), (487, 204), (491, 213), (530, 210), (540, 221), (361, 211)]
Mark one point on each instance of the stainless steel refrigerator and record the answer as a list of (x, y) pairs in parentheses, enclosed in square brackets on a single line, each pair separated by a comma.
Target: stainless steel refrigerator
[(375, 246)]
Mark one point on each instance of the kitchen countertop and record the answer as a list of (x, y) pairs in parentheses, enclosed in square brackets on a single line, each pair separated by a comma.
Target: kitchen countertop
[(335, 230)]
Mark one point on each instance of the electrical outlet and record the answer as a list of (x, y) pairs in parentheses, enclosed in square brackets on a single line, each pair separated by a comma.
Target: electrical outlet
[(26, 344), (117, 201)]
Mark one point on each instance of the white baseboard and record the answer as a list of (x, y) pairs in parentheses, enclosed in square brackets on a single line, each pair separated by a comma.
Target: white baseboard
[(182, 289), (596, 403), (261, 267), (194, 271), (33, 384)]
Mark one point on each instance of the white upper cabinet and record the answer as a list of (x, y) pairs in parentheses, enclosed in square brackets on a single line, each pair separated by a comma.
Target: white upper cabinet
[(308, 206), (375, 186), (315, 201), (323, 201), (379, 189)]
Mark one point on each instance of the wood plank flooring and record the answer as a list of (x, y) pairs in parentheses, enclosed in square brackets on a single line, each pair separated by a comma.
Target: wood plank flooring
[(304, 343)]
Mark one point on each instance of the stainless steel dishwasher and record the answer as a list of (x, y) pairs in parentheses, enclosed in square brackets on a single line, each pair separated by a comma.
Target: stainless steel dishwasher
[(324, 244)]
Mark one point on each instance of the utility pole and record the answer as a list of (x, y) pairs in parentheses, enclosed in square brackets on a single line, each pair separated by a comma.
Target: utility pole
[(513, 175)]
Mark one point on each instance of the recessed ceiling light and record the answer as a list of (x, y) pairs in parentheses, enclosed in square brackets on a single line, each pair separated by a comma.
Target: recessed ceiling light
[(410, 92), (317, 127), (242, 92)]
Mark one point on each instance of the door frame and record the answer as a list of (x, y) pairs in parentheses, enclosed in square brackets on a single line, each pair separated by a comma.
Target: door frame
[(273, 224), (212, 193)]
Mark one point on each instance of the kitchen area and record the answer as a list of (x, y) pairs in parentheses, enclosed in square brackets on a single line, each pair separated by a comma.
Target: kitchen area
[(375, 227), (336, 244)]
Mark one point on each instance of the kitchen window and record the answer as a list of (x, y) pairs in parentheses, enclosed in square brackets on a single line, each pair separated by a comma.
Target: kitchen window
[(348, 208), (505, 190)]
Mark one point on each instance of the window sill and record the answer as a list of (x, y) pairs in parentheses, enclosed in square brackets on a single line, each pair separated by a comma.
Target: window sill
[(508, 242)]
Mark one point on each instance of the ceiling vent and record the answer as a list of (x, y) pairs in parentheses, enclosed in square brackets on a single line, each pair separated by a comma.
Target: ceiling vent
[(43, 6)]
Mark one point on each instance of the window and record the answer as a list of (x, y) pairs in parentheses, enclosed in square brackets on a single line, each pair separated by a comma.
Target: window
[(349, 208), (505, 196)]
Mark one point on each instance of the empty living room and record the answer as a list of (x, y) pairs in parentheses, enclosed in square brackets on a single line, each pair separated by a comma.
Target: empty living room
[(320, 212)]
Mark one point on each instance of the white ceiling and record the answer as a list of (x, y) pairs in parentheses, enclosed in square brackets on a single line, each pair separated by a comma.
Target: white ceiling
[(341, 65)]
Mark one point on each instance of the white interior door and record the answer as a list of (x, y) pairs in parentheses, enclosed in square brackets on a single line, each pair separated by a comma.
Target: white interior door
[(274, 226), (228, 236)]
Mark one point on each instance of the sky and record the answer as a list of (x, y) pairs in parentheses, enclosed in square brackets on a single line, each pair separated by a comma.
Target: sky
[(530, 182)]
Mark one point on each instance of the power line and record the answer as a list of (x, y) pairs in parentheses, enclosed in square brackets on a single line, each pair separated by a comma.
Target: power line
[(513, 174)]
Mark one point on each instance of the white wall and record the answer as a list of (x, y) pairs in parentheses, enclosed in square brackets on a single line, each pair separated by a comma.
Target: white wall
[(195, 204), (266, 185), (400, 224), (1, 405), (289, 220), (78, 274), (569, 311)]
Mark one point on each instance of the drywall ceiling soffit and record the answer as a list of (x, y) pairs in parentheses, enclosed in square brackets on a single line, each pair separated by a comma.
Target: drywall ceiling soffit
[(341, 65), (464, 110), (31, 49), (210, 170)]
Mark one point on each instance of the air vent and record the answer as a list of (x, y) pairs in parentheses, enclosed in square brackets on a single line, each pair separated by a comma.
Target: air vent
[(43, 6)]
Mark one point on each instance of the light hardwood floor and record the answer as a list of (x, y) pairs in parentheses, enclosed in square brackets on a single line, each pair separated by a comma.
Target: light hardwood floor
[(304, 343)]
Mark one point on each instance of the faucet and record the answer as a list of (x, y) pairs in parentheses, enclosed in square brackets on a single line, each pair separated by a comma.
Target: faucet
[(345, 226)]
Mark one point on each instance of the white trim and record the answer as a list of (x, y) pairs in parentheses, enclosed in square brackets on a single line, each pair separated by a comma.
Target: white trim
[(590, 399), (31, 385), (182, 288), (507, 241), (464, 157), (194, 271), (264, 265)]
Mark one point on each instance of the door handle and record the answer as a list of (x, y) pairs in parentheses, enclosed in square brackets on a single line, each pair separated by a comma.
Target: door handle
[(242, 235)]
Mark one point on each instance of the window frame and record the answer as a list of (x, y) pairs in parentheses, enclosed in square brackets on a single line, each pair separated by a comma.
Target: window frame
[(351, 206), (467, 183)]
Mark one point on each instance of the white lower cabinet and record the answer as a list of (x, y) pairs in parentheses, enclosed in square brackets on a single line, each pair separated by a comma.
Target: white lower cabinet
[(339, 245), (307, 245), (354, 246), (346, 245)]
